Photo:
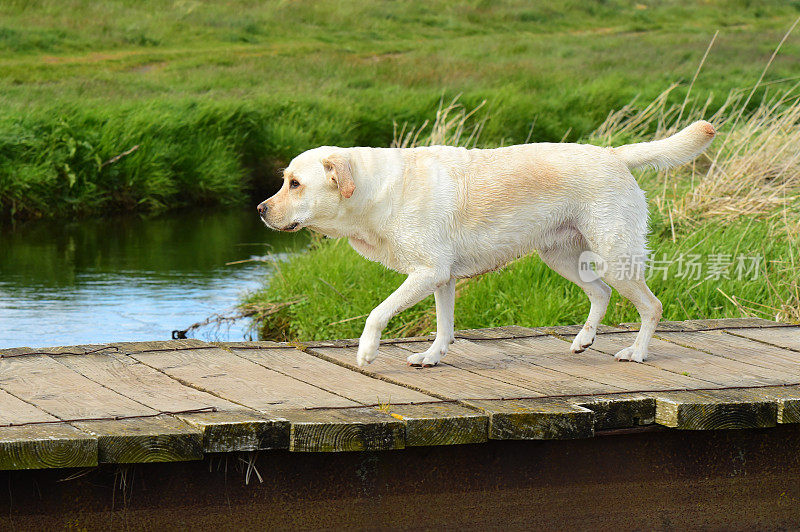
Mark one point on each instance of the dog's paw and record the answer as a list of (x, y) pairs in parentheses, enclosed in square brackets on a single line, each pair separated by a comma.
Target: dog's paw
[(429, 358), (367, 350), (631, 354), (415, 359), (582, 340)]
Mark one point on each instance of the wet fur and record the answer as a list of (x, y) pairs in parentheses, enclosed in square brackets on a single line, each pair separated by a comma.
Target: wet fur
[(440, 213)]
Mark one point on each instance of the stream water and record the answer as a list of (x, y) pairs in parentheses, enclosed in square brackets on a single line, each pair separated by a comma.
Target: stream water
[(131, 278)]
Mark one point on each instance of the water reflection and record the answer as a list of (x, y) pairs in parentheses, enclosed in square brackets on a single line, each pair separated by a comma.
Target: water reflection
[(129, 278)]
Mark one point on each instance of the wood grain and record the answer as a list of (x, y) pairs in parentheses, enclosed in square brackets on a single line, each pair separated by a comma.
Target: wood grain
[(43, 445), (46, 446), (720, 409), (526, 363), (227, 431), (592, 371), (440, 424), (351, 429), (235, 379), (141, 383), (737, 348), (61, 392), (507, 332), (620, 410), (537, 419), (331, 377), (708, 324), (443, 381), (156, 439), (500, 383), (786, 337), (681, 360)]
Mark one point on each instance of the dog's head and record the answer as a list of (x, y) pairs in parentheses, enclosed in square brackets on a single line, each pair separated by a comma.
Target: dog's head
[(314, 185)]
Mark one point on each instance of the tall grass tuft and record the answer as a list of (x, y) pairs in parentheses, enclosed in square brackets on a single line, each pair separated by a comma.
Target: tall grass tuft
[(752, 169), (449, 127)]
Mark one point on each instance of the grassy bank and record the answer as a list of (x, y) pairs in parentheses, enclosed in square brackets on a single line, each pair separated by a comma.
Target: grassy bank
[(118, 105), (725, 239)]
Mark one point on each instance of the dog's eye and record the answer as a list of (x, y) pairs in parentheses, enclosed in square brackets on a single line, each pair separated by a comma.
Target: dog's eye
[(294, 183)]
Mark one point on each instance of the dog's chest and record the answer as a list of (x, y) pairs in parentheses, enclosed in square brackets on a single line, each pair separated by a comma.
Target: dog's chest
[(379, 251)]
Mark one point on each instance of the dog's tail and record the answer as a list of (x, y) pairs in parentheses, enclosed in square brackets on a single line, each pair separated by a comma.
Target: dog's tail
[(680, 148)]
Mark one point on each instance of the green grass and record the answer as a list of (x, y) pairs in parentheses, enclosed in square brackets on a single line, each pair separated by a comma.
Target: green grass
[(219, 94)]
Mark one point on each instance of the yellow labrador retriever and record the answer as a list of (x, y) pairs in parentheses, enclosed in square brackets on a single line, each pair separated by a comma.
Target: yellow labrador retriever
[(441, 213)]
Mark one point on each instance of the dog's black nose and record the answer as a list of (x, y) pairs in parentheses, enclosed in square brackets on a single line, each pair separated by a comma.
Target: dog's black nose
[(262, 208)]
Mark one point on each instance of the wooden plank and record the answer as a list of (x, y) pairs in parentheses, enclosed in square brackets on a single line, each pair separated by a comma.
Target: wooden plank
[(162, 345), (536, 419), (141, 383), (349, 429), (232, 428), (785, 337), (239, 430), (600, 372), (505, 361), (43, 444), (224, 374), (46, 446), (788, 398), (737, 348), (715, 370), (139, 440), (426, 424), (726, 323), (716, 410), (17, 411), (331, 377), (572, 330), (442, 423), (443, 381), (707, 325), (619, 411), (56, 389), (494, 333)]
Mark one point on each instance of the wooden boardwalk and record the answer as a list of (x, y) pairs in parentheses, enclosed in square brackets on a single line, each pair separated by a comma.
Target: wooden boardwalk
[(178, 400)]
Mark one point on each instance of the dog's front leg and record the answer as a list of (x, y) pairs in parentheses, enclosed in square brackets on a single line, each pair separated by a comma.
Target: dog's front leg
[(445, 314), (418, 285)]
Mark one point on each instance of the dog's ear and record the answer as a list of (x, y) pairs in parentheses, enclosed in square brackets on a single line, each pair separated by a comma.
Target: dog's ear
[(337, 169)]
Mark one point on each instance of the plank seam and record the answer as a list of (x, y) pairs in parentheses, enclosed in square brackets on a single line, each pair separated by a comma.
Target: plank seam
[(645, 363), (114, 418), (761, 341), (764, 365), (295, 378), (37, 407), (532, 363), (383, 378), (59, 353), (100, 383), (192, 386), (566, 396)]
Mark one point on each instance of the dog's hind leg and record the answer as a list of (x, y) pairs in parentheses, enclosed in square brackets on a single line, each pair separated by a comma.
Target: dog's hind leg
[(649, 307), (566, 261), (445, 297), (619, 236)]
